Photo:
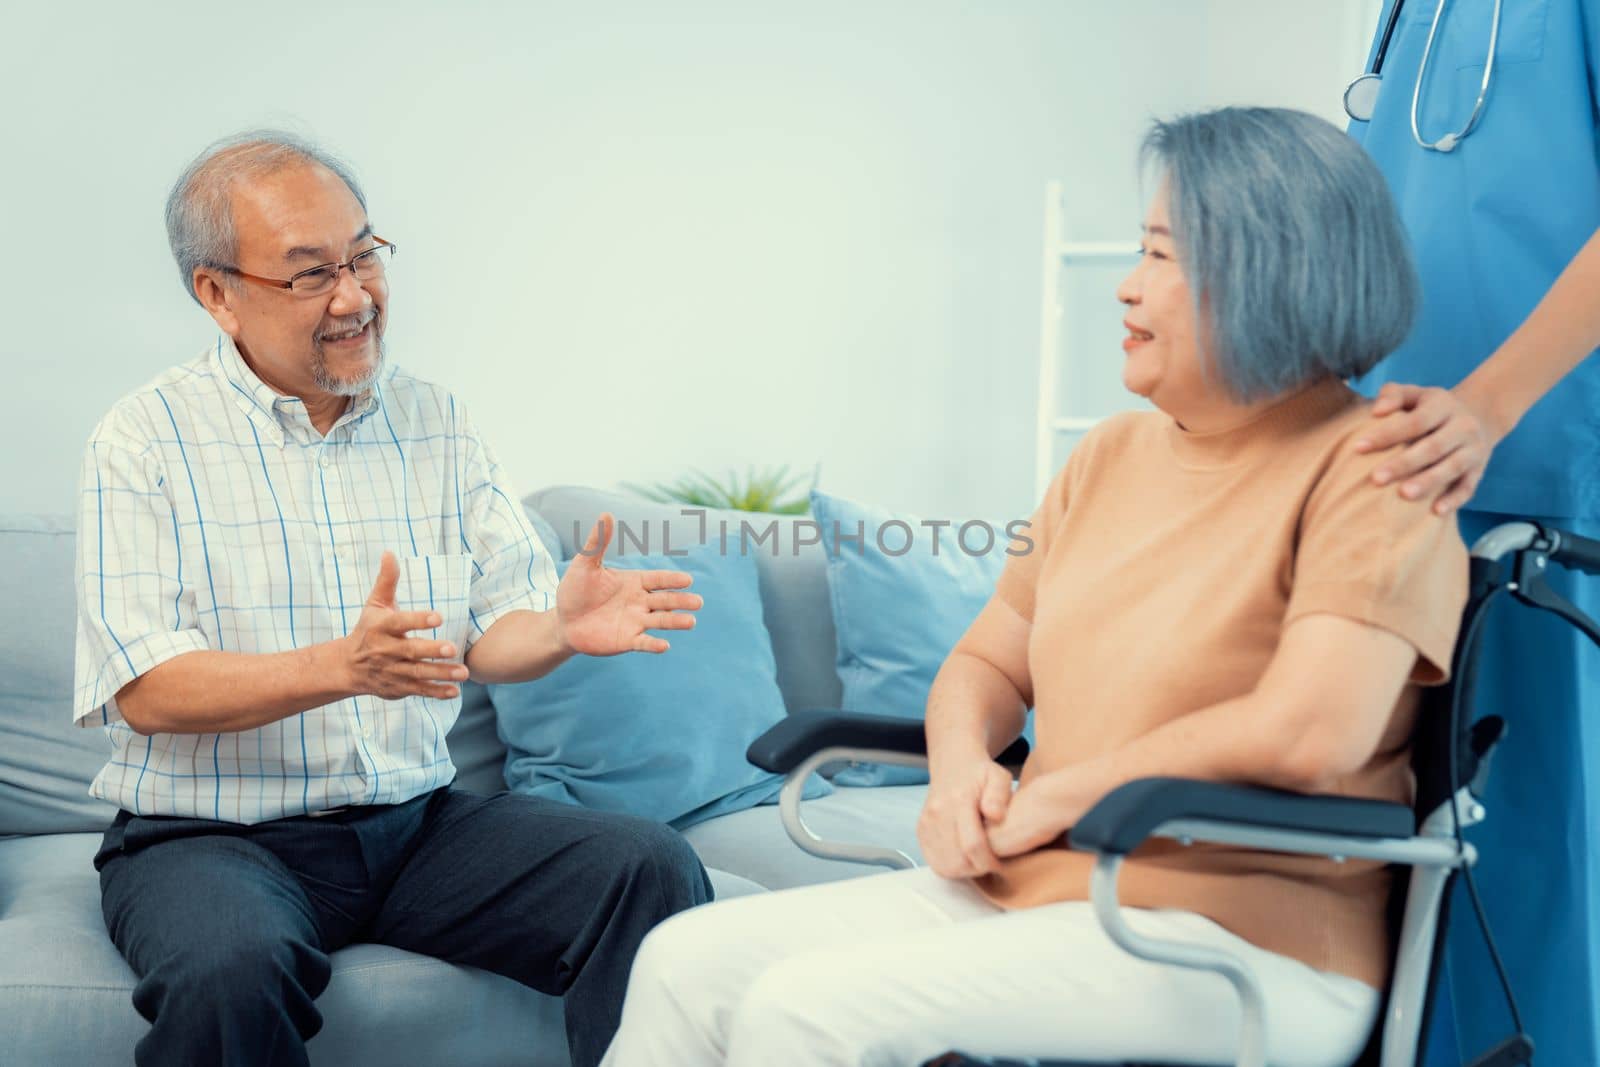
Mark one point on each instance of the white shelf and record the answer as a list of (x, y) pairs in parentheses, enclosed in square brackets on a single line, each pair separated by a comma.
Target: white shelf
[(1059, 254), (1083, 250), (1076, 423)]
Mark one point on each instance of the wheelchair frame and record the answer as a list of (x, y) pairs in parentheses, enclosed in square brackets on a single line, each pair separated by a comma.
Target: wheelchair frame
[(1509, 558)]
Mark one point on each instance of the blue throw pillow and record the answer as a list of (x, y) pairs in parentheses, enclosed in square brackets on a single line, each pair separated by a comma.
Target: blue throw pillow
[(662, 736), (901, 600)]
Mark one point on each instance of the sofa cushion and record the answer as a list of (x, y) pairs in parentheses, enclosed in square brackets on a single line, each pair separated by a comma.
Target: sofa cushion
[(791, 565), (65, 993), (902, 594), (474, 743), (657, 736), (46, 763)]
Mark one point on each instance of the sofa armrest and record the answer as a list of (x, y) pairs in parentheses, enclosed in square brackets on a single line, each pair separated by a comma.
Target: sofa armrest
[(801, 734)]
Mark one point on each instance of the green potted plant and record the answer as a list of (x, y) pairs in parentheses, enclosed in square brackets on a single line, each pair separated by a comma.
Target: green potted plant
[(768, 490)]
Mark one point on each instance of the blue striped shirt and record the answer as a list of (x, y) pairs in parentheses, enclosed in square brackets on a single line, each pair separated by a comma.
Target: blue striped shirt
[(213, 515)]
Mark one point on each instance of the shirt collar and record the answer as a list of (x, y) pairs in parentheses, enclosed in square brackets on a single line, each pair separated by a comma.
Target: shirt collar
[(1291, 415), (271, 411)]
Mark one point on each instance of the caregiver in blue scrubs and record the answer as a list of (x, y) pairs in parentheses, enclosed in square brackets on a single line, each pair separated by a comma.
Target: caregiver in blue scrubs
[(1493, 406)]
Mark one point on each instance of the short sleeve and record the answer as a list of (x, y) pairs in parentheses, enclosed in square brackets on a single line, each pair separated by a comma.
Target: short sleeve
[(1018, 583), (134, 612), (1366, 554), (512, 569)]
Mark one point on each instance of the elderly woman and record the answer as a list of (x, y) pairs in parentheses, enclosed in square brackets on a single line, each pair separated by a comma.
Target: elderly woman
[(1215, 593)]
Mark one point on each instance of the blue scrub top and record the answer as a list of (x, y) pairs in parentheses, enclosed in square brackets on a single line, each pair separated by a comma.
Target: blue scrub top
[(1494, 222)]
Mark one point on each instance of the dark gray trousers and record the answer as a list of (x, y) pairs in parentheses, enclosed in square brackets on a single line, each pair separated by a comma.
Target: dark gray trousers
[(229, 927)]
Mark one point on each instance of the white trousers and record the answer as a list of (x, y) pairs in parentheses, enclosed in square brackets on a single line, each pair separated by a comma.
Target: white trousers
[(897, 968)]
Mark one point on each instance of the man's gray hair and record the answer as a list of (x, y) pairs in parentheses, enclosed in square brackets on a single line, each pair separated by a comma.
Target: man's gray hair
[(1298, 263), (200, 206)]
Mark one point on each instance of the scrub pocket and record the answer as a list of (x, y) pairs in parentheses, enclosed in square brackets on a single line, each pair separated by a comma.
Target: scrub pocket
[(1463, 39), (441, 584)]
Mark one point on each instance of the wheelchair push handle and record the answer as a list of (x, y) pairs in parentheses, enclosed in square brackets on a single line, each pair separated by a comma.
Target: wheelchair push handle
[(1552, 544), (1572, 550)]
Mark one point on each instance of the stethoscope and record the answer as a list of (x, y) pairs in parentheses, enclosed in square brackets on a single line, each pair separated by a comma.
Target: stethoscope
[(1361, 98)]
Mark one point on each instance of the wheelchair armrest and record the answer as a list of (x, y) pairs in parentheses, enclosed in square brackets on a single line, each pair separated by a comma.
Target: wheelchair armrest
[(1128, 815), (802, 734)]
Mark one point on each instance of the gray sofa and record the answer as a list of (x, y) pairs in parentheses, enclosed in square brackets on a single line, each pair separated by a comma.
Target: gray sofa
[(65, 993)]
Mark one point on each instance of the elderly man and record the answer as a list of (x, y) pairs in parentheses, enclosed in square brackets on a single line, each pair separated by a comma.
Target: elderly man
[(290, 557)]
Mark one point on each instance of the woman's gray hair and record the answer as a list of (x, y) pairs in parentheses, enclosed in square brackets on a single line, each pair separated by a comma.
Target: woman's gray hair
[(1288, 236), (200, 206)]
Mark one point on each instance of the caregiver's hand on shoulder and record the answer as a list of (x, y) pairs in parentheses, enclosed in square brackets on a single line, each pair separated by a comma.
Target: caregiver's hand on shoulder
[(962, 796), (1448, 436)]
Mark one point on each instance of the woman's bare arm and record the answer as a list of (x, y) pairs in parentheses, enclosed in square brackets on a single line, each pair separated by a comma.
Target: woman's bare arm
[(976, 708)]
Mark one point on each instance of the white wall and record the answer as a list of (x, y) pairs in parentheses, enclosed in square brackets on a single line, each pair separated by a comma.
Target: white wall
[(1287, 53), (636, 237)]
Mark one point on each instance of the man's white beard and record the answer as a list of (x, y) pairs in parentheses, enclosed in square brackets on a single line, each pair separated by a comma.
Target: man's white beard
[(341, 387)]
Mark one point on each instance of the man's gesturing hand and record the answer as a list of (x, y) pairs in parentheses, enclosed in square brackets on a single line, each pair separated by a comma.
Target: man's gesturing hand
[(384, 661), (606, 610), (962, 800)]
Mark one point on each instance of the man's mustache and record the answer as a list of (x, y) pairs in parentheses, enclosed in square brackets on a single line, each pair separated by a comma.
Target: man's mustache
[(348, 324)]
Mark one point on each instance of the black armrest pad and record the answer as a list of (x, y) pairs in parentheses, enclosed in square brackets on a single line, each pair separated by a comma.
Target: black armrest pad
[(1125, 817), (802, 734)]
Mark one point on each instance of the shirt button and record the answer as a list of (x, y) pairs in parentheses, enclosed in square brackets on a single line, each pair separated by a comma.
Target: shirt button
[(327, 461)]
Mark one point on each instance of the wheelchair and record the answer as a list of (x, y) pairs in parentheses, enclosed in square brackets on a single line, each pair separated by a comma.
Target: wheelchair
[(1450, 758)]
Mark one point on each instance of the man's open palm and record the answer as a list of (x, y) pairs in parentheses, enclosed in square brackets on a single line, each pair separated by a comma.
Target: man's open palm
[(605, 611)]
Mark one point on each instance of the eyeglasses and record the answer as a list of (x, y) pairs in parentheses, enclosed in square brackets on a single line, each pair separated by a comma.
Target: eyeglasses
[(319, 280)]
